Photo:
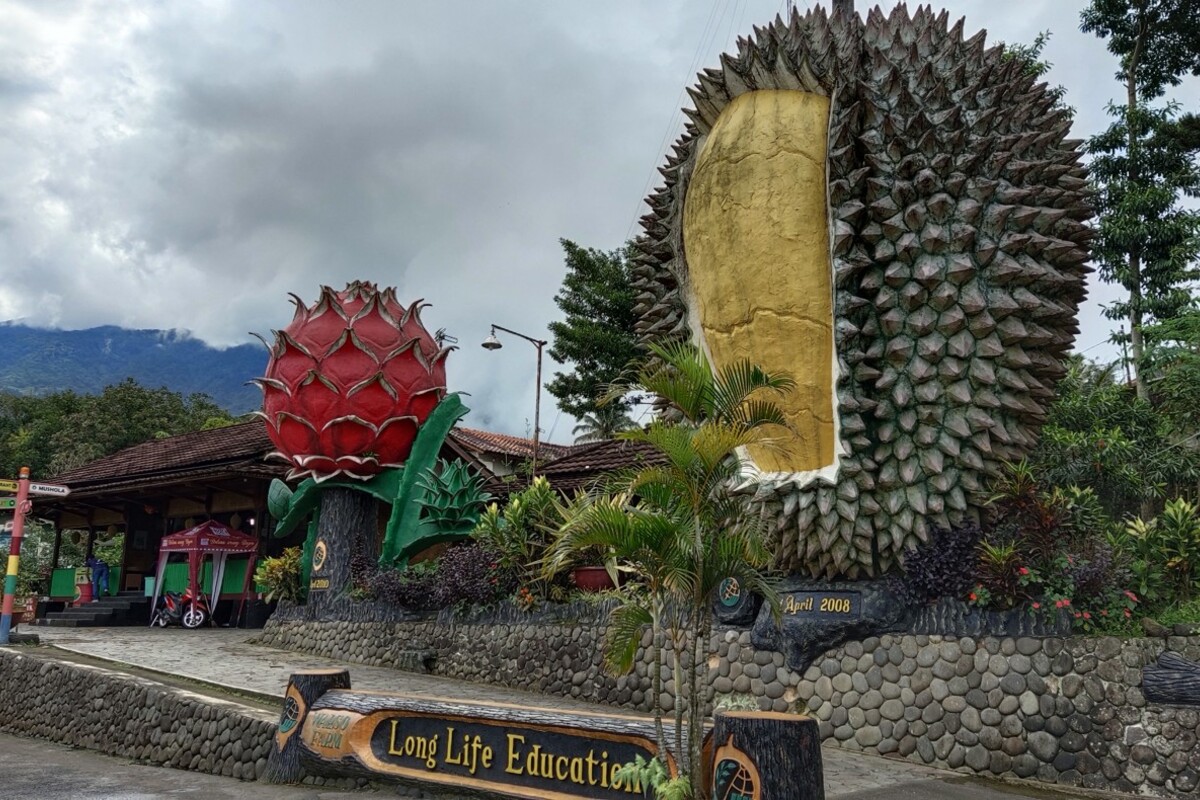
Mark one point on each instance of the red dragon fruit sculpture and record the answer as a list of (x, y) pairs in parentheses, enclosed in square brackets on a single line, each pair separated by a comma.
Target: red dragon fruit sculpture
[(349, 382)]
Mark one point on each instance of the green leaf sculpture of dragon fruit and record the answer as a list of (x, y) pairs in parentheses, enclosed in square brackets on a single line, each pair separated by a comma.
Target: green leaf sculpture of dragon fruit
[(349, 383)]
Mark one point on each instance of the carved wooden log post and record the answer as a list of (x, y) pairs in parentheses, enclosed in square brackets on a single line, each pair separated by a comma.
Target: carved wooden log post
[(304, 689), (766, 756), (348, 520)]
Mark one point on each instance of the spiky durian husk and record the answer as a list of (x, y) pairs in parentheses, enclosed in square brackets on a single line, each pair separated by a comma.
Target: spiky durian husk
[(957, 214)]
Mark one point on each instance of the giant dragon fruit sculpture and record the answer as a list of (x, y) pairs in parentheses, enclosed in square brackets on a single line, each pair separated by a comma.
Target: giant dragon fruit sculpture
[(354, 399), (350, 381)]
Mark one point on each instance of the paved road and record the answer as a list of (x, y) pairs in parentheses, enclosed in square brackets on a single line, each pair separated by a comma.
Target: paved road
[(34, 770), (224, 657)]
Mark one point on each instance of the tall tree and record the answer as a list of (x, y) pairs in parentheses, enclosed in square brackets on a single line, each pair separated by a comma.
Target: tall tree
[(126, 414), (1142, 164), (603, 424), (687, 531), (596, 338)]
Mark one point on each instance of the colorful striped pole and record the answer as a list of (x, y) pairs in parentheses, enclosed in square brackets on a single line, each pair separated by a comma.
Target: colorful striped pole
[(14, 554)]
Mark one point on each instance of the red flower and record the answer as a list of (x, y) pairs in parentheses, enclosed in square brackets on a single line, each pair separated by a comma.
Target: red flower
[(1077, 615), (1128, 613), (1086, 615), (1037, 605), (1058, 604), (1024, 570), (1066, 601), (1131, 595), (972, 597)]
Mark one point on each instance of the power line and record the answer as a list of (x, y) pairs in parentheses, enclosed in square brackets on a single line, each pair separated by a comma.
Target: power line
[(707, 36)]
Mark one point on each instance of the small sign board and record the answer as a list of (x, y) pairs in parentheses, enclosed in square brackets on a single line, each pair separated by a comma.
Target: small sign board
[(8, 486), (318, 582), (51, 489), (8, 503)]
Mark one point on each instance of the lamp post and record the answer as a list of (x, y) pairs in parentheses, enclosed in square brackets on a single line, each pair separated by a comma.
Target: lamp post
[(492, 343)]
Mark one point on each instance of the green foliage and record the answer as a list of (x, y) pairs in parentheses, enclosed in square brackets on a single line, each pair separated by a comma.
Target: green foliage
[(1100, 435), (60, 431), (653, 778), (280, 576), (519, 533), (999, 572), (676, 525), (37, 550), (603, 424), (1165, 552), (1173, 367), (596, 336), (1157, 41), (1148, 241)]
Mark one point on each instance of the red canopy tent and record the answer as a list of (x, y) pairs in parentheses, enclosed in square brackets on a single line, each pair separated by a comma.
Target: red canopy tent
[(208, 538)]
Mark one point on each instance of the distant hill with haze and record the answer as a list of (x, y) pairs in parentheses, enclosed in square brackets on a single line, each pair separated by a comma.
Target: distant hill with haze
[(39, 361)]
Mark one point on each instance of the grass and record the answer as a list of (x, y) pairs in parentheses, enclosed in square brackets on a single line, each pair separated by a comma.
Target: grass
[(1186, 612)]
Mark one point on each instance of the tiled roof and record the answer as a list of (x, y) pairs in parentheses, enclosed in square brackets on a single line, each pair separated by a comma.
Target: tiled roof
[(502, 444), (243, 444), (586, 464)]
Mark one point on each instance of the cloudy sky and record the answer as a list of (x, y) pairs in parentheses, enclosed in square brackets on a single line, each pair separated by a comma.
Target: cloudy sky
[(185, 165)]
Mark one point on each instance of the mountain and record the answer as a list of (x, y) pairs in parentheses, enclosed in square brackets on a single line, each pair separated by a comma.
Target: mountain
[(38, 361)]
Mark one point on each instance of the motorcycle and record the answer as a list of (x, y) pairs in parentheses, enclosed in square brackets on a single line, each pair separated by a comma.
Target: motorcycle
[(181, 609)]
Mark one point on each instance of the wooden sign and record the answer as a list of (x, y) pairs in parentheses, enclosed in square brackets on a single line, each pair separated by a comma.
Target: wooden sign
[(497, 749), (766, 756)]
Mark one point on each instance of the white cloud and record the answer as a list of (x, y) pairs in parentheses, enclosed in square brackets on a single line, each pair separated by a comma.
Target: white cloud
[(188, 164)]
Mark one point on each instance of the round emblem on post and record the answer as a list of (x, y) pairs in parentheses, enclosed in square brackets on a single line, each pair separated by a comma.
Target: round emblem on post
[(320, 553), (730, 592)]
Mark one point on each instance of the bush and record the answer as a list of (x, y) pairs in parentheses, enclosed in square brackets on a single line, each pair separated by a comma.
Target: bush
[(414, 588), (945, 566), (518, 534), (470, 574), (280, 576)]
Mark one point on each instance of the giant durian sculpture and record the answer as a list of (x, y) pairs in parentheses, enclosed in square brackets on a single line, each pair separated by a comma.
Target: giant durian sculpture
[(893, 215)]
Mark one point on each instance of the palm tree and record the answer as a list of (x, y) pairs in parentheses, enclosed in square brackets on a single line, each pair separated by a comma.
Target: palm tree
[(687, 531), (604, 424)]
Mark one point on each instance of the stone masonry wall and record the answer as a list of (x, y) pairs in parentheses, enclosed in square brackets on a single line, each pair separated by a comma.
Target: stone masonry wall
[(129, 717), (1067, 711)]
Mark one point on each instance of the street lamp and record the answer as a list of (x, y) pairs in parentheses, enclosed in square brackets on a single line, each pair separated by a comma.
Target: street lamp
[(492, 343)]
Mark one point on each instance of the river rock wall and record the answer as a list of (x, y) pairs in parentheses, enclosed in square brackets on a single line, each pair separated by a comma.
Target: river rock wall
[(1059, 710)]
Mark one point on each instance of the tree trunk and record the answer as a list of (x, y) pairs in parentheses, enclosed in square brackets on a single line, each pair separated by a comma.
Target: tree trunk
[(304, 689), (348, 521), (767, 756), (1136, 342)]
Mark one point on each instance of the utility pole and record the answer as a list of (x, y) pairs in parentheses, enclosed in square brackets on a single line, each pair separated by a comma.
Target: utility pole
[(846, 7)]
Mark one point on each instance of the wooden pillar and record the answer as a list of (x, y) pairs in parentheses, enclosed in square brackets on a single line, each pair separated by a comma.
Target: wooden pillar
[(304, 689), (767, 756), (57, 549)]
